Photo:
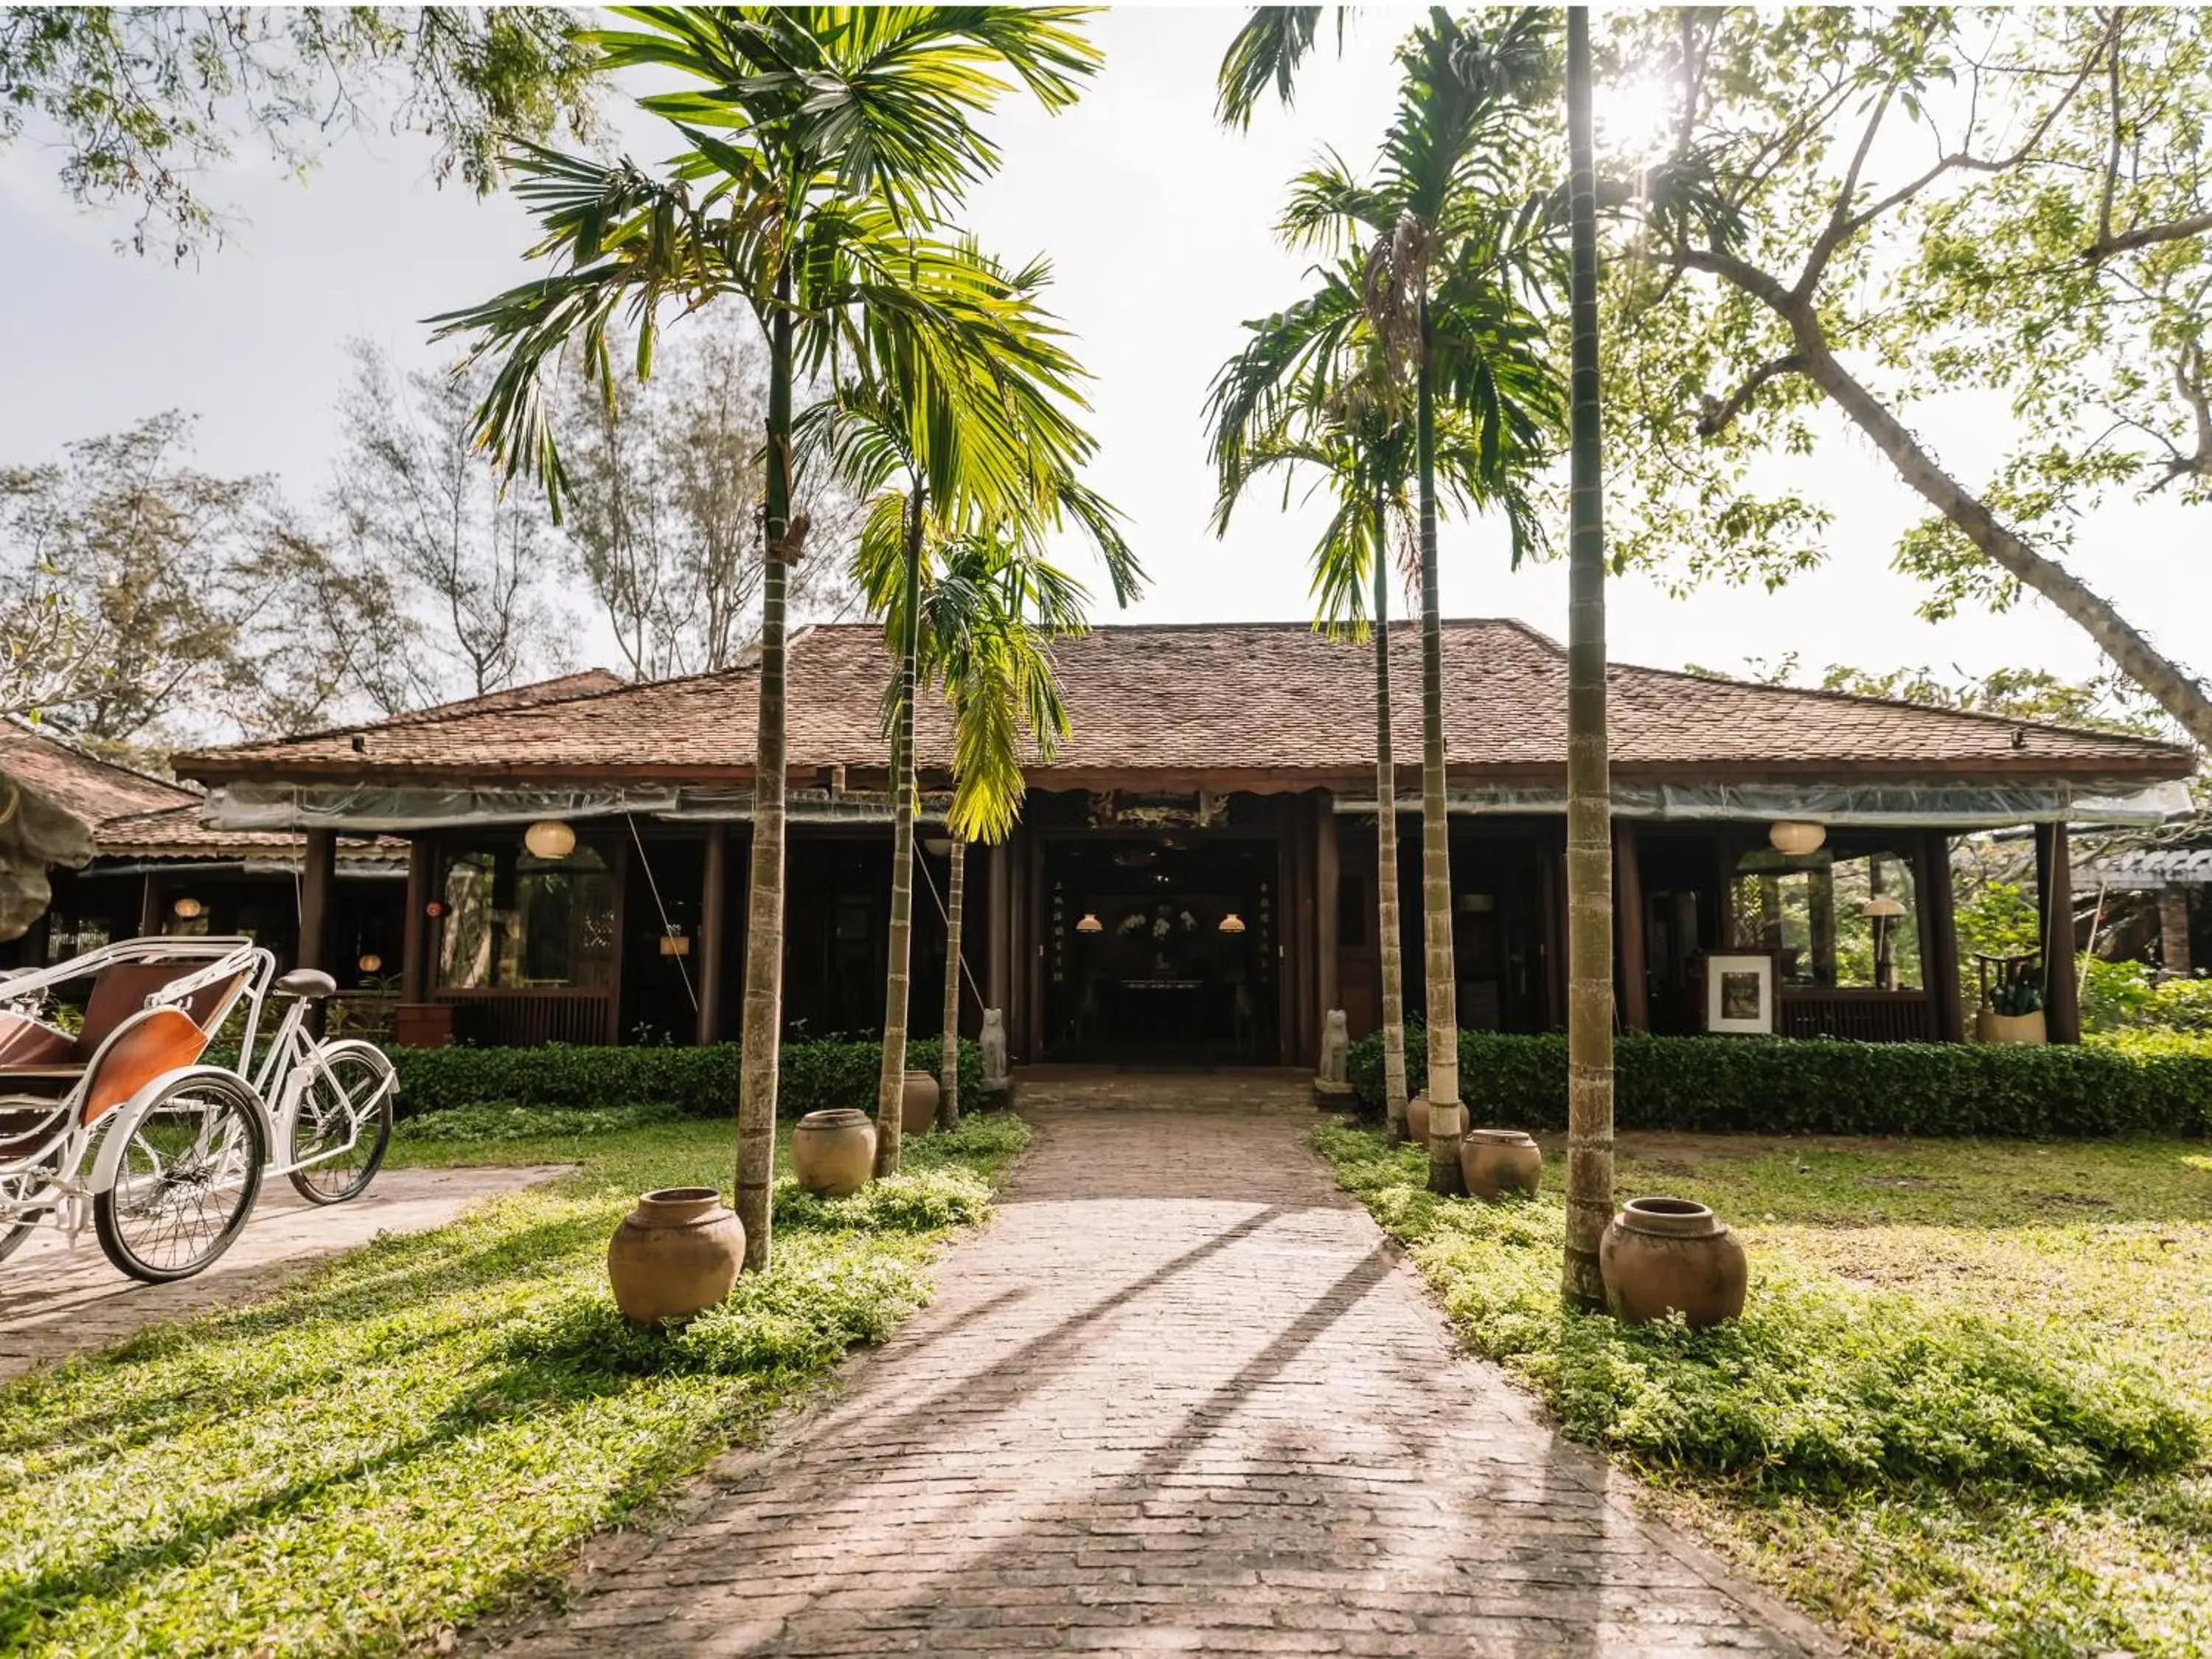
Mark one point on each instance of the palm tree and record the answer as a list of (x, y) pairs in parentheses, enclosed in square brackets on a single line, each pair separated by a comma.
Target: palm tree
[(1444, 274), (819, 139), (1589, 829), (1310, 392), (984, 435)]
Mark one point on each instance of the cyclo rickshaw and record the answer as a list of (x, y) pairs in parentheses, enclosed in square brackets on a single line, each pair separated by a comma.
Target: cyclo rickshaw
[(128, 1123)]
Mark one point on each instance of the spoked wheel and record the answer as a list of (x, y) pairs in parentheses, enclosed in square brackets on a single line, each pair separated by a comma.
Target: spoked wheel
[(189, 1172), (342, 1125)]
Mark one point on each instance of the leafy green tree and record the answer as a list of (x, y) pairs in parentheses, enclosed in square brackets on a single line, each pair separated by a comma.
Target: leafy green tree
[(1589, 811), (138, 99), (820, 140), (1855, 209)]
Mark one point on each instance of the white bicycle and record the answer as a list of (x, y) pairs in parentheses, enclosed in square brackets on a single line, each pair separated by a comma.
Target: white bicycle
[(119, 1123)]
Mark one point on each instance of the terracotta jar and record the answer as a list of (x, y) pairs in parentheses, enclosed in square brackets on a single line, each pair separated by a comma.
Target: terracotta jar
[(1496, 1162), (675, 1254), (833, 1153), (918, 1103), (1672, 1254), (1417, 1120)]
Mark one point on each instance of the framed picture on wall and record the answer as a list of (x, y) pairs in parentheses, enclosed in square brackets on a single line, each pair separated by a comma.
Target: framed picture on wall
[(1740, 993)]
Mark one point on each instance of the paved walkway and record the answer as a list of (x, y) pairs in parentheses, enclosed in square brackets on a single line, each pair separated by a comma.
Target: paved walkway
[(56, 1300), (1179, 1396)]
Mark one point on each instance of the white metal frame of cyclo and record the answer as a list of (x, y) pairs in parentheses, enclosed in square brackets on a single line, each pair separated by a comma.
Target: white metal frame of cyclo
[(58, 1147)]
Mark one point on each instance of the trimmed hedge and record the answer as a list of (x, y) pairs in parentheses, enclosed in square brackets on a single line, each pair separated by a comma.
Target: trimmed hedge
[(1788, 1086), (700, 1082)]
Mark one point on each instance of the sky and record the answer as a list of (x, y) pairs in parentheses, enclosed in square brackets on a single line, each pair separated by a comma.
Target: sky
[(1158, 224)]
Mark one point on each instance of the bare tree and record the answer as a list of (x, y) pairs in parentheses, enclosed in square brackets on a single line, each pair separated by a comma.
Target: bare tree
[(665, 480), (421, 510)]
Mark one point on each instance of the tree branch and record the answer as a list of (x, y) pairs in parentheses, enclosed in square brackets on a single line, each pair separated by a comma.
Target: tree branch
[(1715, 414), (2126, 242)]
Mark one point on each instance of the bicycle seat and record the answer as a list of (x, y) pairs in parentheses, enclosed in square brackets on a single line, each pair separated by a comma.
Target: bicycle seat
[(309, 983)]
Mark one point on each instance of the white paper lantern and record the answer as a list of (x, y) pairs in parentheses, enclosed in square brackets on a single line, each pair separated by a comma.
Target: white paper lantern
[(549, 838), (1796, 839)]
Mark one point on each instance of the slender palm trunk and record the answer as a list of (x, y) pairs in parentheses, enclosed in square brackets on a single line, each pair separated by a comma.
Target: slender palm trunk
[(1386, 849), (891, 1083), (1446, 1119), (948, 1082), (763, 1020), (1589, 813)]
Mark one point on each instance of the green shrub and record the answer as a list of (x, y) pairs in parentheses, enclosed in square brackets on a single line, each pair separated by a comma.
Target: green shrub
[(506, 1119), (917, 1202), (1818, 1387), (2119, 997), (702, 1082), (1786, 1085)]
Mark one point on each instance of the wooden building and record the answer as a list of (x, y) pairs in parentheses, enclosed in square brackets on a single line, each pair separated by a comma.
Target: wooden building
[(1194, 877)]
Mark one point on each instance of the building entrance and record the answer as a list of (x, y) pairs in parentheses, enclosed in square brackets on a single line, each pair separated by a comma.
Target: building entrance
[(1163, 948)]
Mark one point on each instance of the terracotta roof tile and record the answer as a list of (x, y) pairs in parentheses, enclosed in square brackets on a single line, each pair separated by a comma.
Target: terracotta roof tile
[(92, 789), (178, 832), (1217, 697)]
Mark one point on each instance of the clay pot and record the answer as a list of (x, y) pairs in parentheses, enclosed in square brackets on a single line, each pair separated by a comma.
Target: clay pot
[(1989, 1026), (677, 1253), (1496, 1162), (918, 1103), (833, 1153), (1672, 1254), (1417, 1120)]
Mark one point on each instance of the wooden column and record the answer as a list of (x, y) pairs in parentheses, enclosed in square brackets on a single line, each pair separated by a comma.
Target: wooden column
[(1328, 884), (2054, 893), (1628, 925), (317, 875), (713, 906), (2173, 929), (1553, 881), (1939, 936), (414, 926), (999, 941), (149, 907)]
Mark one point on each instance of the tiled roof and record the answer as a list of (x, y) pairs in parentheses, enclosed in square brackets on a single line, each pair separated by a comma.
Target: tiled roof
[(92, 789), (177, 832), (1265, 701)]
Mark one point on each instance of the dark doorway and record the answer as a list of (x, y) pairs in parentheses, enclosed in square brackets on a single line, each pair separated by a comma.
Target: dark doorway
[(1163, 948), (1500, 941)]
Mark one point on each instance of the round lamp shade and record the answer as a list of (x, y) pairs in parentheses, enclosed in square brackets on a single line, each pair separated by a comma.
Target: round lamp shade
[(549, 838), (1882, 904), (1796, 839), (1231, 923), (188, 907), (370, 963), (1090, 924)]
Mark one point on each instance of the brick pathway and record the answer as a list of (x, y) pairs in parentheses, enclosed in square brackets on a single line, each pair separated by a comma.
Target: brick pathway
[(57, 1301), (1177, 1397)]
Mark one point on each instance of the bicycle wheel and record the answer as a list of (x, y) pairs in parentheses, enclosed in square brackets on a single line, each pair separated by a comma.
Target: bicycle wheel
[(342, 1125), (189, 1172)]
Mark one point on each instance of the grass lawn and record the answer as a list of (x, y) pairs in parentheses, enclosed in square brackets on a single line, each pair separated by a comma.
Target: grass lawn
[(1967, 1409), (424, 1430)]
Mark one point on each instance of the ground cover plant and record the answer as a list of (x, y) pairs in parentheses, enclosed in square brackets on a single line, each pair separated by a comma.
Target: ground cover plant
[(1966, 1411), (424, 1429)]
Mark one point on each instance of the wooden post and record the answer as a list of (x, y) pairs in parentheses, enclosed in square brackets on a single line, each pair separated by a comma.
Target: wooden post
[(1820, 920), (2054, 892), (149, 907), (999, 945), (2173, 929), (1939, 936), (1628, 920), (714, 903), (1553, 880), (1328, 882), (317, 873), (414, 928)]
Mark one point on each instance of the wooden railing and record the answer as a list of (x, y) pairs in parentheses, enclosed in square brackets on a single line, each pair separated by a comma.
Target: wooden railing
[(522, 1019), (1862, 1016)]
